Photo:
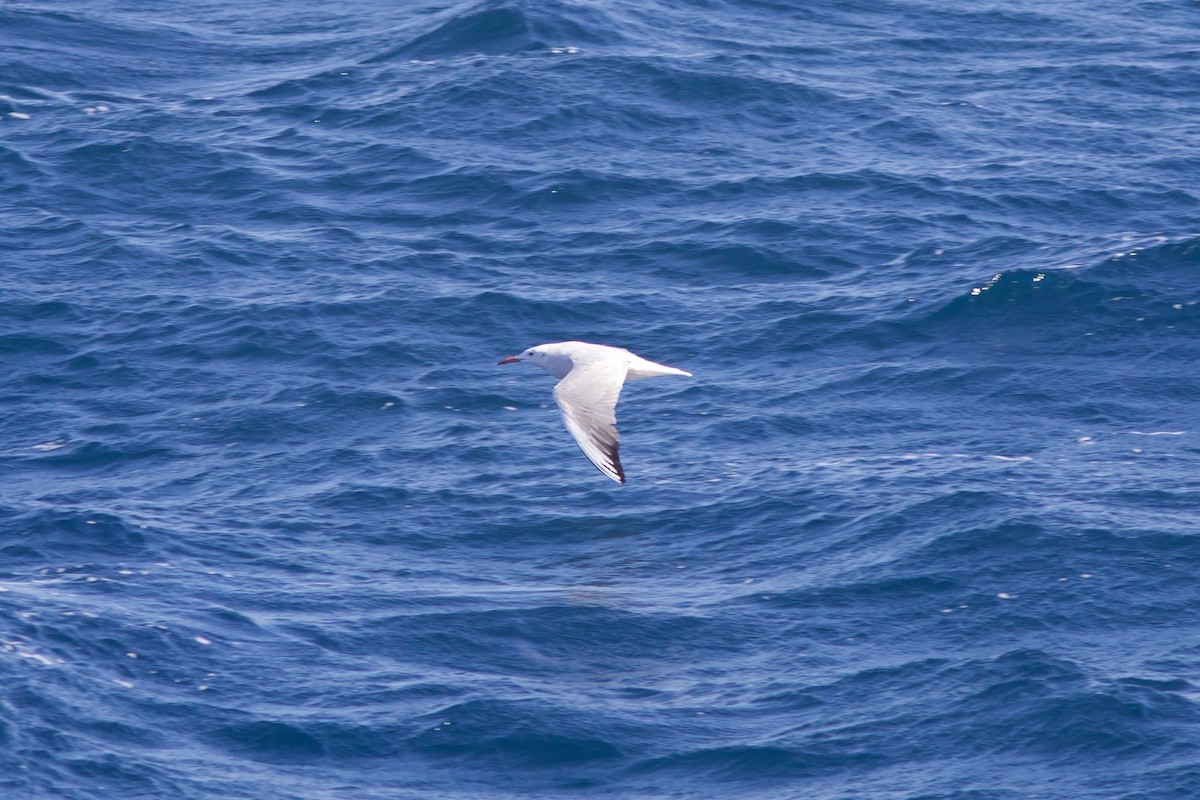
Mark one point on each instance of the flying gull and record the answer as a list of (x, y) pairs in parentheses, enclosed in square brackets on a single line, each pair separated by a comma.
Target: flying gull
[(590, 380)]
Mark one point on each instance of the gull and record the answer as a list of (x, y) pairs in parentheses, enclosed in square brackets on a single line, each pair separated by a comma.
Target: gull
[(590, 380)]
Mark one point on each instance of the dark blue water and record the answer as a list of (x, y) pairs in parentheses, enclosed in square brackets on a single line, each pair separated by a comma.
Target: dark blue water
[(925, 525)]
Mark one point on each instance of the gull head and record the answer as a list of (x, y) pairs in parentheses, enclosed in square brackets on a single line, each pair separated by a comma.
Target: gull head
[(554, 358), (532, 354)]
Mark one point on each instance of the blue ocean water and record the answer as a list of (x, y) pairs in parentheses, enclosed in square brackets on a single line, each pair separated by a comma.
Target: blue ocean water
[(923, 526)]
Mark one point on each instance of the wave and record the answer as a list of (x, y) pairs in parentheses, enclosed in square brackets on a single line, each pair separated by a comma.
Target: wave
[(502, 27), (1123, 297), (53, 534)]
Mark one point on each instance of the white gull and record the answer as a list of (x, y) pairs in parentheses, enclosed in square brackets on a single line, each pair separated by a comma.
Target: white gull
[(590, 380)]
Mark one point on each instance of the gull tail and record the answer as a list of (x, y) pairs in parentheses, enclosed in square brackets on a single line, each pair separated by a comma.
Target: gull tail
[(641, 368)]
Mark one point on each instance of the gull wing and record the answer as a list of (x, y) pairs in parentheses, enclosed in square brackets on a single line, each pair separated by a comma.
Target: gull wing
[(587, 398)]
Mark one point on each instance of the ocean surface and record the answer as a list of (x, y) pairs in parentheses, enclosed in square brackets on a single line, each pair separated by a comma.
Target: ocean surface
[(925, 525)]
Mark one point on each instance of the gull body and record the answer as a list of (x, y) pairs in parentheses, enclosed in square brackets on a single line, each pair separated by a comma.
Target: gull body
[(590, 380)]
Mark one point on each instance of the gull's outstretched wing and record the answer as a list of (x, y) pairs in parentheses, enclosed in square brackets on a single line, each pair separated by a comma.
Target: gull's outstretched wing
[(587, 398)]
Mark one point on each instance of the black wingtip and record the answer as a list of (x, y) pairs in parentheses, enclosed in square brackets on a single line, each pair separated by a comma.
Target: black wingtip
[(616, 463), (614, 470)]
